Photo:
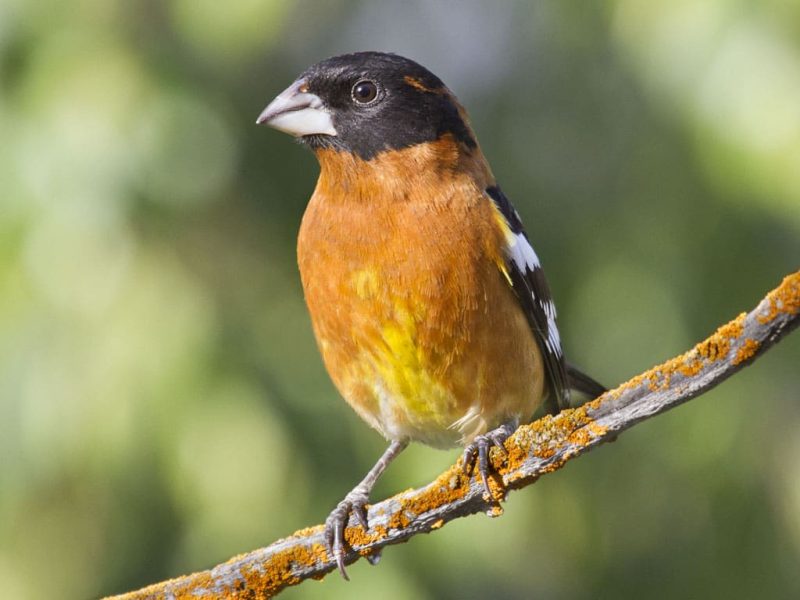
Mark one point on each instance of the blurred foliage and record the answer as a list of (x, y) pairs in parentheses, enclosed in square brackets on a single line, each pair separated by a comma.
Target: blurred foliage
[(162, 402)]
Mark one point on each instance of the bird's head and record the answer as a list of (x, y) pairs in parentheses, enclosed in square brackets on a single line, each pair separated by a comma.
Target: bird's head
[(366, 103)]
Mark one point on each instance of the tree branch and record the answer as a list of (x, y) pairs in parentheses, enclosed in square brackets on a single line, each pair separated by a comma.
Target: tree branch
[(541, 447)]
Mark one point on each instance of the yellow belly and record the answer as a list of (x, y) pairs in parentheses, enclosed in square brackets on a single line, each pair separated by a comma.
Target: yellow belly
[(439, 394)]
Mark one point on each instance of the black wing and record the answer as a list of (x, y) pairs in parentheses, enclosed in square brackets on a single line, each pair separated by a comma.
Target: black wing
[(530, 286)]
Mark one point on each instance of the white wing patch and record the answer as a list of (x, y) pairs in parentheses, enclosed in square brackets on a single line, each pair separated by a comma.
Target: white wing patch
[(527, 261), (522, 253), (553, 340)]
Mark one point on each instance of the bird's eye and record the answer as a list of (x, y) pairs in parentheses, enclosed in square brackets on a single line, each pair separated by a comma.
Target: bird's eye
[(365, 91)]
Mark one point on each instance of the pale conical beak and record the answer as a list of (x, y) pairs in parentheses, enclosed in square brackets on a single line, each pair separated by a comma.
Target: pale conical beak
[(298, 112)]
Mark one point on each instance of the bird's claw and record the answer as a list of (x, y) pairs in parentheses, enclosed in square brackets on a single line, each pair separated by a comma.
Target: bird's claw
[(477, 452), (356, 503)]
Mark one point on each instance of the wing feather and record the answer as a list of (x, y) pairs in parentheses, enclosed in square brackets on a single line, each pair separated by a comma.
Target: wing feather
[(527, 279)]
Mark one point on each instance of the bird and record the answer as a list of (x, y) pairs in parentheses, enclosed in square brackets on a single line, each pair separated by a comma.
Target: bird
[(429, 305)]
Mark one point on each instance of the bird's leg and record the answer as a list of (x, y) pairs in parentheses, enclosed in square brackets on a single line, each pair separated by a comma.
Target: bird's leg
[(356, 502), (476, 452)]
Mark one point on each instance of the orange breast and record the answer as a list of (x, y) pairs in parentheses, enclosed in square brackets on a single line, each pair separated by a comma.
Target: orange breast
[(416, 323)]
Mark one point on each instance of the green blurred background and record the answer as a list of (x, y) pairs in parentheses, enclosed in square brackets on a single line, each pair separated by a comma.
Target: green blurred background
[(162, 402)]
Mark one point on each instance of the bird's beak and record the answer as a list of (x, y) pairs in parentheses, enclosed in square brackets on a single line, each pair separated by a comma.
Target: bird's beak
[(298, 112)]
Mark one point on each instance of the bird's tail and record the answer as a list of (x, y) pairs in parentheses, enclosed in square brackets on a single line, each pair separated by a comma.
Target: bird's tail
[(581, 382)]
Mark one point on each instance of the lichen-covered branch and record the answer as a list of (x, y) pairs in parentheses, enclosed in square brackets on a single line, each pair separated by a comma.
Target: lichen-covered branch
[(535, 449)]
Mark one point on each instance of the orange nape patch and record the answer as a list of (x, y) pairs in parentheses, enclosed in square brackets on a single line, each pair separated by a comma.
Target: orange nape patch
[(418, 85)]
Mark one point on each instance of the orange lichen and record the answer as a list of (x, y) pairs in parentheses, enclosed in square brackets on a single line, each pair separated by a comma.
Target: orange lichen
[(437, 524), (256, 581), (270, 577), (450, 486), (495, 511), (785, 299), (308, 531), (399, 520), (717, 345), (549, 435), (356, 536), (632, 383), (747, 350), (691, 368), (180, 588), (586, 434)]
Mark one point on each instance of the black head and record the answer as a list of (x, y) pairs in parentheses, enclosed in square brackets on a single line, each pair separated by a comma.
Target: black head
[(367, 103)]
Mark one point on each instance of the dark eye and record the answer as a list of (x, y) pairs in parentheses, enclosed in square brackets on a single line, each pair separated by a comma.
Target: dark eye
[(365, 91)]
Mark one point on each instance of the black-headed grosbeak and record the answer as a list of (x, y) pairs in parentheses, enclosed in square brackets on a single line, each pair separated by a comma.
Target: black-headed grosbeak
[(428, 302)]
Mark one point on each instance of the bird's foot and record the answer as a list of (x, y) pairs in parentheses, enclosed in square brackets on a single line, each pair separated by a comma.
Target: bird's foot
[(356, 503), (477, 452)]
